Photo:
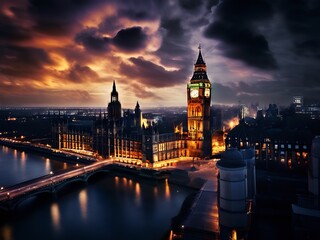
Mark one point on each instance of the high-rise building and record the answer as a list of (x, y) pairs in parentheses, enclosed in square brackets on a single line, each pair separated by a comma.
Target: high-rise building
[(298, 103), (199, 100)]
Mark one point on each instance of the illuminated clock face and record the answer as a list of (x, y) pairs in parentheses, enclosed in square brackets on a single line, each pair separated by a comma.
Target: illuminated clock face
[(194, 93), (207, 92)]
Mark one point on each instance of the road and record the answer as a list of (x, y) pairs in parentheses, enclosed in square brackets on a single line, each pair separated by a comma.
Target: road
[(52, 178)]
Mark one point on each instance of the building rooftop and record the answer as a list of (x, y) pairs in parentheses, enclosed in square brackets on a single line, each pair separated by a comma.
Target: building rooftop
[(231, 158)]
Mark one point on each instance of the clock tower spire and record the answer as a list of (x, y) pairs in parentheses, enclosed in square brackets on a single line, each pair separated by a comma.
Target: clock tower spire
[(199, 100)]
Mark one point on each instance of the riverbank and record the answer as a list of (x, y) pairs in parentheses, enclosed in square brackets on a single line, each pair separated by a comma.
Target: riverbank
[(47, 151)]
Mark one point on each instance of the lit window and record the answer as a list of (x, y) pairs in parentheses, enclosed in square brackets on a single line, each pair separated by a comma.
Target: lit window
[(289, 146), (276, 146), (282, 145), (304, 147), (296, 146)]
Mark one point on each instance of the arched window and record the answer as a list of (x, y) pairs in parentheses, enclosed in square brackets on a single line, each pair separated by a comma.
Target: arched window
[(198, 112)]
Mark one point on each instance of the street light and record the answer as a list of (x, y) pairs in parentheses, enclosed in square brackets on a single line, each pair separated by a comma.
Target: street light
[(51, 172)]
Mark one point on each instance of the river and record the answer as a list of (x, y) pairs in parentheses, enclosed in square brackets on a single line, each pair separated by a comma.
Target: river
[(109, 206)]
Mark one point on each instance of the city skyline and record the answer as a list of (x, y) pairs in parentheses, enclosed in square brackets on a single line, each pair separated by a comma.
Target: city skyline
[(68, 53)]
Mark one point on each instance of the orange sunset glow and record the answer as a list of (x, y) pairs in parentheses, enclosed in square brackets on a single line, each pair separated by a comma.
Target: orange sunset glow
[(66, 53)]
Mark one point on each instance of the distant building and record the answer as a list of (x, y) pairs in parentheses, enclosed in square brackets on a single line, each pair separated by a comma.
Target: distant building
[(278, 144), (311, 111), (298, 103)]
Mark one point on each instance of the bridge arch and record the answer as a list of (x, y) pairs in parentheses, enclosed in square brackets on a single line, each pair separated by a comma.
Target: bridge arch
[(63, 184), (16, 202), (88, 175)]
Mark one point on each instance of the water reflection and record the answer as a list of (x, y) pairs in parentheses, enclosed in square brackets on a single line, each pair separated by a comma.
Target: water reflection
[(65, 165), (137, 192), (6, 232), (47, 166), (5, 149), (130, 183), (83, 199), (155, 191), (23, 159), (15, 154), (125, 181), (167, 190), (116, 181), (55, 216)]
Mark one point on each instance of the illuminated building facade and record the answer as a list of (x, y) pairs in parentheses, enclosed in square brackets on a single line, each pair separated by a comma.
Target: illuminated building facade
[(120, 136), (275, 148), (199, 100)]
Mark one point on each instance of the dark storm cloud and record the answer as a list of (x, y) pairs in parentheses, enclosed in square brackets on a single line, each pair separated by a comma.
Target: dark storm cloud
[(175, 50), (234, 27), (151, 74), (130, 39), (243, 44), (264, 92), (109, 24), (191, 5), (303, 20), (211, 3), (137, 15), (141, 92), (174, 29), (92, 40), (80, 74), (140, 10), (12, 31), (58, 17), (22, 61)]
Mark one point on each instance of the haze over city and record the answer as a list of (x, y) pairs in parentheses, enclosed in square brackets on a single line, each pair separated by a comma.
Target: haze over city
[(67, 53)]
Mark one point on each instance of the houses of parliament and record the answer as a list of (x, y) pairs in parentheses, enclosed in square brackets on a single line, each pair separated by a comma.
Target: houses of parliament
[(122, 135)]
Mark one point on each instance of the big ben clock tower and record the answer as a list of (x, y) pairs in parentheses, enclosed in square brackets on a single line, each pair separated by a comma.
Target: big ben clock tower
[(199, 99)]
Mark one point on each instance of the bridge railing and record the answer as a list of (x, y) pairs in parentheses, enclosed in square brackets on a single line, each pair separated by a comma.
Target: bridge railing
[(33, 184)]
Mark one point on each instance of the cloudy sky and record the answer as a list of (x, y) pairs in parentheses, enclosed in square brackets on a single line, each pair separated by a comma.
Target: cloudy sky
[(68, 52)]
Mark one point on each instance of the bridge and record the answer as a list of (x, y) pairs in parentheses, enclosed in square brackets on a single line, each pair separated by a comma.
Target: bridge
[(11, 197)]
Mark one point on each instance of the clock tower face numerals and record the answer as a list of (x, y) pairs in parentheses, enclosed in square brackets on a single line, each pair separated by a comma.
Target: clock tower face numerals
[(194, 93)]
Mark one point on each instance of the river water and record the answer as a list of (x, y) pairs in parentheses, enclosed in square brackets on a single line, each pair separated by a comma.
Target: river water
[(109, 206)]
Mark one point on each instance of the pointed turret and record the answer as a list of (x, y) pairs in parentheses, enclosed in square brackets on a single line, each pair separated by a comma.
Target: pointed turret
[(137, 105), (200, 58), (114, 107), (137, 116), (200, 68), (114, 93)]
